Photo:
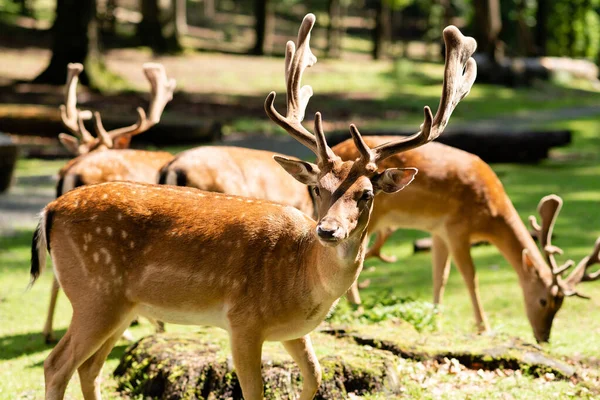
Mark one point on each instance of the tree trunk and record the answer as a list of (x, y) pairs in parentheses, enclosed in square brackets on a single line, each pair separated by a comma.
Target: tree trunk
[(541, 27), (488, 24), (263, 13), (526, 41), (335, 29), (75, 40), (180, 15), (109, 19), (382, 31), (150, 30), (209, 9)]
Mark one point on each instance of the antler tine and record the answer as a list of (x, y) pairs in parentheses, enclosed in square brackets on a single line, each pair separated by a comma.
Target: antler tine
[(72, 117), (161, 90), (366, 154), (459, 75), (580, 273), (297, 59), (549, 208)]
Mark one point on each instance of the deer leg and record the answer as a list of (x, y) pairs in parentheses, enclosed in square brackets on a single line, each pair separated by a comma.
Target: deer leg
[(159, 326), (441, 268), (303, 353), (246, 349), (460, 249), (47, 332), (88, 331), (89, 371), (353, 294), (375, 251)]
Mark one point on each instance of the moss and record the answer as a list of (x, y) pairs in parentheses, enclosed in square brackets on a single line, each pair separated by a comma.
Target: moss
[(473, 351), (199, 365)]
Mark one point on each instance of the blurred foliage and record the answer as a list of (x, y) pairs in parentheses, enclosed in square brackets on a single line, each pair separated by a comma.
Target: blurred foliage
[(575, 28)]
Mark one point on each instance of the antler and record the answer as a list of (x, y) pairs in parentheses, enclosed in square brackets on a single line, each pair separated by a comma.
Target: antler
[(161, 89), (297, 59), (72, 118), (548, 208), (459, 75), (161, 93)]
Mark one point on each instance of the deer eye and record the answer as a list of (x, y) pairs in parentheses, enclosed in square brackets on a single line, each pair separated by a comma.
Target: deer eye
[(316, 190), (543, 302), (366, 195)]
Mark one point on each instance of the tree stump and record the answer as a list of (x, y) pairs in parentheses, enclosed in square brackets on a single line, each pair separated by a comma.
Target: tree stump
[(8, 159), (199, 365)]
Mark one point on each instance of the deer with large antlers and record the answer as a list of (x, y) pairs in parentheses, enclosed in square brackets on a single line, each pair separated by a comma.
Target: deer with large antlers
[(259, 270), (460, 200), (105, 158)]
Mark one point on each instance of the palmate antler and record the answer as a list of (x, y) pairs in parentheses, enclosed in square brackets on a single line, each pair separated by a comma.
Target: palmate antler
[(83, 142), (459, 75), (548, 208)]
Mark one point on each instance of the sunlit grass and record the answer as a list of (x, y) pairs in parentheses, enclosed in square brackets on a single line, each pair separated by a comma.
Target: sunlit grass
[(576, 330)]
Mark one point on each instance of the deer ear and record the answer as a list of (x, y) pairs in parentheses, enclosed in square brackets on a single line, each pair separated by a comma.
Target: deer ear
[(302, 171), (393, 180), (122, 142), (70, 142), (527, 261)]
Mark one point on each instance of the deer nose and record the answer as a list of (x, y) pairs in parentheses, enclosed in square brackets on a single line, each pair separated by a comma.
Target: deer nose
[(328, 230)]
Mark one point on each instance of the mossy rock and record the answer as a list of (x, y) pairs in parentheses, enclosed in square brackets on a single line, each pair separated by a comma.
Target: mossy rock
[(488, 352), (199, 366)]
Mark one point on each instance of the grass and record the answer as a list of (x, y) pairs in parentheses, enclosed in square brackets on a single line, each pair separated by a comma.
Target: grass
[(572, 173), (379, 95)]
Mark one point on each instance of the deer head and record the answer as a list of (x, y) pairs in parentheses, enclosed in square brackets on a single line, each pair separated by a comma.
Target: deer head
[(547, 295), (81, 140), (345, 190)]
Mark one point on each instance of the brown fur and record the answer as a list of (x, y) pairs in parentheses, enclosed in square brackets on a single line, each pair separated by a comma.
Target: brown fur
[(459, 200), (181, 255), (240, 171), (98, 167)]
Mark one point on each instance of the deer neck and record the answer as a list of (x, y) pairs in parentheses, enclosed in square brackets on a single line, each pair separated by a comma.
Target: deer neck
[(334, 269), (513, 238)]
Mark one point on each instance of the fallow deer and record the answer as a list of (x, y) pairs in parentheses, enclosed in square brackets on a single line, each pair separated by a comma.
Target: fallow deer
[(460, 200), (239, 171), (106, 158), (259, 270)]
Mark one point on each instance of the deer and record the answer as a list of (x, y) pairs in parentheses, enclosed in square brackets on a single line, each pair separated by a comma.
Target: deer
[(106, 157), (260, 270), (240, 171), (459, 200)]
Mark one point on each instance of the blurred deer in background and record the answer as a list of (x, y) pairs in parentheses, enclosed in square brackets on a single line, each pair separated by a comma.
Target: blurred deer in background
[(459, 200), (259, 270), (105, 158), (239, 171)]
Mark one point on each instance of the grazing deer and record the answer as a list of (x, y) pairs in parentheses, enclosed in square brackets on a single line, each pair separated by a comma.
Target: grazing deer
[(460, 200), (239, 171), (259, 270), (106, 158)]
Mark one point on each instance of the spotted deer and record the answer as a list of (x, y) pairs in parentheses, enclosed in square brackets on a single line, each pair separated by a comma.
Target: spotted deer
[(105, 158), (460, 200), (258, 269), (239, 171)]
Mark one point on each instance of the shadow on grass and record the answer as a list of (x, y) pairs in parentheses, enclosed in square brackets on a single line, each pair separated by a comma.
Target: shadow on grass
[(116, 354), (16, 346)]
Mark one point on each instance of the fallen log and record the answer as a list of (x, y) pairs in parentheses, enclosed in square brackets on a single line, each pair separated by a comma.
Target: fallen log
[(487, 352), (492, 144), (44, 121)]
